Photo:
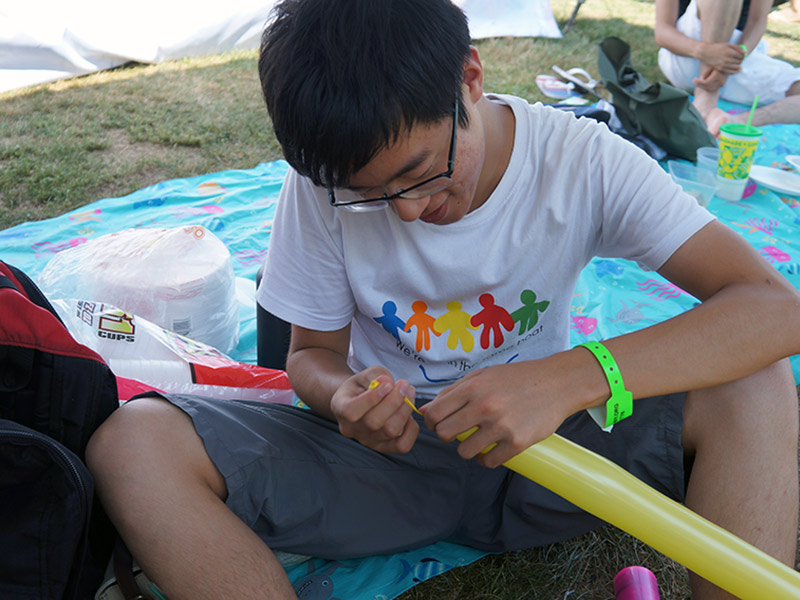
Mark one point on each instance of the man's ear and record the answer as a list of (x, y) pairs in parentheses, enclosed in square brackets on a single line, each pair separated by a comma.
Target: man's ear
[(473, 74)]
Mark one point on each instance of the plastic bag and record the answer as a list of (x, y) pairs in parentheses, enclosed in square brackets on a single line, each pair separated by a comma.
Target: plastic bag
[(181, 279), (140, 352)]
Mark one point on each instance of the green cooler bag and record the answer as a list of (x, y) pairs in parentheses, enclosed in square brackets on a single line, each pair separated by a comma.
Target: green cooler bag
[(658, 111)]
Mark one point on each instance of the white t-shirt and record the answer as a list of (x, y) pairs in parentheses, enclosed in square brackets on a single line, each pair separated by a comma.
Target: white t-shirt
[(431, 302)]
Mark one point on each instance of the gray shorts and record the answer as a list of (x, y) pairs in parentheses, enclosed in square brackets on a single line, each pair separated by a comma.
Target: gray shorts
[(306, 489)]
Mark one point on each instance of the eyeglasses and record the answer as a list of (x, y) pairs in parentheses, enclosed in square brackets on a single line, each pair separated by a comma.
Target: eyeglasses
[(428, 187)]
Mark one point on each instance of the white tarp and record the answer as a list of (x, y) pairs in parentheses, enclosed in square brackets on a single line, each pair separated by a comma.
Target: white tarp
[(522, 18), (45, 40)]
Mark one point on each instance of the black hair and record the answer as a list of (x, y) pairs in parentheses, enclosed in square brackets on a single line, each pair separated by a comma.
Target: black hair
[(343, 78)]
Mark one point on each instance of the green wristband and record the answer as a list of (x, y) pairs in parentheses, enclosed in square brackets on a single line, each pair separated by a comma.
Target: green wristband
[(620, 405)]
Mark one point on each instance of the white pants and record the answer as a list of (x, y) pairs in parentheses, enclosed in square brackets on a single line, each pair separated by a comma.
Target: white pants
[(761, 74)]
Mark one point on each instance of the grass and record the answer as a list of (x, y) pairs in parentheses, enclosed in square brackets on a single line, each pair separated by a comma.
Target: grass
[(580, 569), (68, 143), (107, 134)]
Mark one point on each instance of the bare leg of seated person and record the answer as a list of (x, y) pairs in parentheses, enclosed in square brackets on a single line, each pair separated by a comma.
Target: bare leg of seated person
[(786, 110), (789, 14), (718, 19), (706, 104), (745, 474), (166, 498)]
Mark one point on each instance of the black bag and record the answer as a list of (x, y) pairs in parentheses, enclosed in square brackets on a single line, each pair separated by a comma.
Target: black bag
[(54, 393), (659, 111)]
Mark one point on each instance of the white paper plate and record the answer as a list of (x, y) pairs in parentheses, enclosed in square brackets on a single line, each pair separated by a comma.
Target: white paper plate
[(794, 160), (784, 182)]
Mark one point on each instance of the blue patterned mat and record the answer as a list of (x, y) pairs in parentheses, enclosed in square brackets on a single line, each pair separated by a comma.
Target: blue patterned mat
[(612, 297)]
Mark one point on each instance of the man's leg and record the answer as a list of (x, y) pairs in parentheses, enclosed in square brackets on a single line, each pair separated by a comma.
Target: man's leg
[(786, 110), (745, 475), (166, 498)]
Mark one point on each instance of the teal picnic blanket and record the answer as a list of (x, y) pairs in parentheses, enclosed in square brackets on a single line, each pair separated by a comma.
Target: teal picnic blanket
[(612, 297)]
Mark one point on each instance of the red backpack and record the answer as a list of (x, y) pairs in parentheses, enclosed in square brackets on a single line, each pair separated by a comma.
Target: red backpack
[(54, 393)]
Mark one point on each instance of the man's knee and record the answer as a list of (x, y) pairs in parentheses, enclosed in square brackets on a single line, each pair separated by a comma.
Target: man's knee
[(765, 401), (780, 397), (150, 439), (129, 429)]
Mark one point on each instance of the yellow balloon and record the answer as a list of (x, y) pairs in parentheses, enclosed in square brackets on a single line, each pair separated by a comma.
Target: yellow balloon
[(607, 491)]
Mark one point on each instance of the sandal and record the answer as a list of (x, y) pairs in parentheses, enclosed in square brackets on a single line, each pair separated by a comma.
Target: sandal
[(553, 87), (579, 78)]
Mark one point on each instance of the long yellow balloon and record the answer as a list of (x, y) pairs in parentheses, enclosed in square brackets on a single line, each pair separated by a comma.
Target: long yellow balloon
[(607, 491)]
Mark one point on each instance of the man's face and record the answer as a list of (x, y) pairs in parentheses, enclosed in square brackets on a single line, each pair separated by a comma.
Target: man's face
[(422, 153)]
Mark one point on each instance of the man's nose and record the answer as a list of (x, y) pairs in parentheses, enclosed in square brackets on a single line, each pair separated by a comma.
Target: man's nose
[(410, 209)]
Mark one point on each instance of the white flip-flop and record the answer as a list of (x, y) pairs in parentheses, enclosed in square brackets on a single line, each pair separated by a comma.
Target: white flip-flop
[(579, 78), (553, 87)]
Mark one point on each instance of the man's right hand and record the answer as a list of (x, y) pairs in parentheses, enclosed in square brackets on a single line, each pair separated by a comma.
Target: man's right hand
[(378, 418)]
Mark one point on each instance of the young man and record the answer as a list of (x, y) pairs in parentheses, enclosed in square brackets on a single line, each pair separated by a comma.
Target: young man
[(714, 48), (448, 281)]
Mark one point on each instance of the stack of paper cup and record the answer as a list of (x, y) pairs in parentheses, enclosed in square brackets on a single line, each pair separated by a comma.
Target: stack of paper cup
[(737, 147), (181, 279)]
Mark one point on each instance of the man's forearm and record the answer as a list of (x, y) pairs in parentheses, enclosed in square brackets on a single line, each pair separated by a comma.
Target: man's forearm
[(737, 332), (315, 375)]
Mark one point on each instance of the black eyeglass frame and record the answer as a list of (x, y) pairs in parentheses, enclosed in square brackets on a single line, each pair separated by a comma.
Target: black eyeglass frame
[(451, 160)]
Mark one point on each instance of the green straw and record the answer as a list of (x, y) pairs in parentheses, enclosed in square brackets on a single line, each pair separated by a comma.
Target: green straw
[(752, 110)]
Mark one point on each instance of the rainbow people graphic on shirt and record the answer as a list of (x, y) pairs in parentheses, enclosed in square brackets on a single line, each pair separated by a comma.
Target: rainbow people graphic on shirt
[(492, 317), (424, 324), (528, 314), (389, 320), (458, 323), (492, 320)]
